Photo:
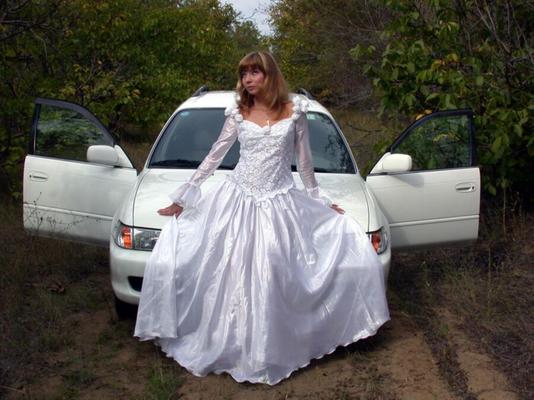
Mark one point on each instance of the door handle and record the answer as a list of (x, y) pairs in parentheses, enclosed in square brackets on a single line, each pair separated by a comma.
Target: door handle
[(38, 176), (465, 187)]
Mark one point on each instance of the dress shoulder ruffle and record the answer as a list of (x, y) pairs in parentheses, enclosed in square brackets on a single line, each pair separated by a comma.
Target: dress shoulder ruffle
[(232, 111), (300, 107)]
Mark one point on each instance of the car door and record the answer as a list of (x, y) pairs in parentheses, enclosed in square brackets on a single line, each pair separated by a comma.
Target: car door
[(437, 200), (64, 195)]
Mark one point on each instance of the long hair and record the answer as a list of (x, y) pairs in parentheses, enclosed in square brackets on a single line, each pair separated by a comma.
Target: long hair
[(274, 88)]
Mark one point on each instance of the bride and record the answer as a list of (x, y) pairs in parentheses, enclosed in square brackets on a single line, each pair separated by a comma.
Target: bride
[(255, 277)]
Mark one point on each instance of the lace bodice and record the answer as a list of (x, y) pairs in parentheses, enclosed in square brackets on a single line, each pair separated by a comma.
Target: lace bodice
[(264, 166), (266, 153)]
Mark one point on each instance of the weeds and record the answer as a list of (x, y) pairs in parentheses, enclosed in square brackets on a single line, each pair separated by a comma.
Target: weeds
[(41, 281), (372, 383), (137, 152), (60, 337), (414, 283), (163, 381), (488, 288), (49, 286), (80, 378)]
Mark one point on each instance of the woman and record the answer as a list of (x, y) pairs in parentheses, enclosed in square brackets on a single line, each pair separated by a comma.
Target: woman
[(256, 278)]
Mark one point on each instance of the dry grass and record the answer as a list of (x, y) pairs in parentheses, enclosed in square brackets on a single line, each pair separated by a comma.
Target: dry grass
[(488, 287), (51, 289), (42, 282), (491, 289), (137, 152), (59, 330), (60, 336)]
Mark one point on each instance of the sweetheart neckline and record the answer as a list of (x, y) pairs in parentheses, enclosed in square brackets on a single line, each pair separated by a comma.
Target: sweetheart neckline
[(267, 126)]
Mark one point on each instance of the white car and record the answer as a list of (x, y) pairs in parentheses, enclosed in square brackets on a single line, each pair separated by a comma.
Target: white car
[(80, 185)]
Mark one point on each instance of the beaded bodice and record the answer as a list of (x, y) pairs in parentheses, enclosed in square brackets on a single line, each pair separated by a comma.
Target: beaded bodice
[(266, 153)]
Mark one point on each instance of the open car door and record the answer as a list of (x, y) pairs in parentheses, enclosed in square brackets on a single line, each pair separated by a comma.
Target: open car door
[(427, 183), (75, 175)]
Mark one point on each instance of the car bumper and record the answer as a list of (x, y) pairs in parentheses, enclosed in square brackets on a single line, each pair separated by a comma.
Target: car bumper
[(127, 269), (385, 260), (128, 266)]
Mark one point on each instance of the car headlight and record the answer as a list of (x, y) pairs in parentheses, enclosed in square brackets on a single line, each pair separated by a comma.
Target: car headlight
[(129, 237), (379, 239)]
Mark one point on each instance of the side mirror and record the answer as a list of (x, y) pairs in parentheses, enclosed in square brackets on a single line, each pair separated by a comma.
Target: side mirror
[(101, 154), (397, 163), (393, 163)]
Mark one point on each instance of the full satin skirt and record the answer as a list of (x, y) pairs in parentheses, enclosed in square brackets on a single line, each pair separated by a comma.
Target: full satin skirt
[(257, 289)]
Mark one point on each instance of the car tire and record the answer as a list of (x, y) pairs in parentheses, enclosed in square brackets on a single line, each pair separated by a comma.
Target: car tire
[(125, 311)]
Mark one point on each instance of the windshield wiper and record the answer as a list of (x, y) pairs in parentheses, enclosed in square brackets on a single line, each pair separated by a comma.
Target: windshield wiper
[(179, 163), (315, 169), (322, 169)]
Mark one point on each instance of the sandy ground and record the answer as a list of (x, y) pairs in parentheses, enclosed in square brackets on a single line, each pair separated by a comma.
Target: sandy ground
[(105, 361)]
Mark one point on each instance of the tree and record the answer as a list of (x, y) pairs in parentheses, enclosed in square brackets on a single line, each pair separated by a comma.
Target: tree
[(445, 54), (312, 40), (128, 61)]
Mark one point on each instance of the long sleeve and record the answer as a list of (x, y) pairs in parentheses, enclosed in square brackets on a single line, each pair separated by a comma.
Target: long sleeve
[(305, 160), (188, 194)]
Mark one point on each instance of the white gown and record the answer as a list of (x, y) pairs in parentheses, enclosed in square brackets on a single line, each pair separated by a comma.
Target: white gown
[(256, 277)]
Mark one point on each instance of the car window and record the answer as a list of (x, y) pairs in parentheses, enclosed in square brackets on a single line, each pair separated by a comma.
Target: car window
[(330, 154), (189, 136), (65, 133), (437, 143), (188, 139)]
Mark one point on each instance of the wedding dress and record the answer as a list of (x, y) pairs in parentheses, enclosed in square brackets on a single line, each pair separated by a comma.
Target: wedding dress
[(256, 277)]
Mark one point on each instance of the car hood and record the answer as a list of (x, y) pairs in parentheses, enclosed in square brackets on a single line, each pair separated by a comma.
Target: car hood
[(346, 190)]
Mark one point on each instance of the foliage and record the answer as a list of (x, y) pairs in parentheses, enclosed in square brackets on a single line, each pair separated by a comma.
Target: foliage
[(439, 143), (163, 382), (446, 54), (312, 39), (128, 61)]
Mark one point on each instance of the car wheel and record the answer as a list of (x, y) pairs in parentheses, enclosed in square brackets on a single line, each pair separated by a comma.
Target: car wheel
[(125, 310)]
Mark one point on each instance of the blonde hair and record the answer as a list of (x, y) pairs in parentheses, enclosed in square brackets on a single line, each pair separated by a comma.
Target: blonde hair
[(275, 87)]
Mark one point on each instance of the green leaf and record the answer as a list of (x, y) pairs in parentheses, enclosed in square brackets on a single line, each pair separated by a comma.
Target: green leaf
[(424, 89), (496, 146), (410, 99), (432, 96), (356, 52), (449, 104)]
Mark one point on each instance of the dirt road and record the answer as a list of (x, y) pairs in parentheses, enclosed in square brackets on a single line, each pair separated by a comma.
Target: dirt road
[(102, 360)]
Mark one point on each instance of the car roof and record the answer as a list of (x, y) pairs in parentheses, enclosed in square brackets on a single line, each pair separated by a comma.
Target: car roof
[(226, 98)]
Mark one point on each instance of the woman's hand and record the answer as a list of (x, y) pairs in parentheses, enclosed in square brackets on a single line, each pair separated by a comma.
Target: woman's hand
[(337, 208), (173, 209)]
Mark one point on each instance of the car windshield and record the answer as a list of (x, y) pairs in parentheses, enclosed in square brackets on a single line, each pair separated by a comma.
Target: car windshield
[(189, 136)]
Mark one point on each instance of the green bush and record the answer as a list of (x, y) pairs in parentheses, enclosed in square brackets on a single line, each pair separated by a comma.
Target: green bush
[(131, 62), (445, 54)]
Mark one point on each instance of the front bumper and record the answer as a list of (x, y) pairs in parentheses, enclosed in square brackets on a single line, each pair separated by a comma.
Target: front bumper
[(128, 266)]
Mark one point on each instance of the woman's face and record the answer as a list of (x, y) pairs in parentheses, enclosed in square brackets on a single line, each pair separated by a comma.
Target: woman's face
[(252, 80)]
